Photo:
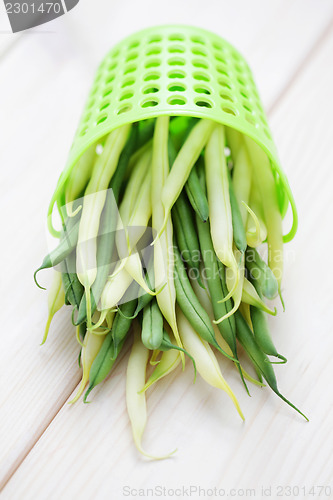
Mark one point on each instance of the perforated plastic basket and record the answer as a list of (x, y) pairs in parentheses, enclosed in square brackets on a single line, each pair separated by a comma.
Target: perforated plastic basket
[(175, 70)]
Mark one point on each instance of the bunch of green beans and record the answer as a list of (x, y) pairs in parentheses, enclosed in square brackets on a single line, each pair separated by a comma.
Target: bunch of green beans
[(191, 282)]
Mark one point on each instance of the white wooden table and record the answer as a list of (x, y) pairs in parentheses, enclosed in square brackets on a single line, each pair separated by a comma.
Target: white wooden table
[(50, 450)]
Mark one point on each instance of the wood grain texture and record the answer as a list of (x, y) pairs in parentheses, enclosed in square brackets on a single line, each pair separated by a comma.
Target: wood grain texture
[(87, 450)]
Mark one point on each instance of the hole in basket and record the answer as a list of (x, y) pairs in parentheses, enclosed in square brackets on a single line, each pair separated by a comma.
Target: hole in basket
[(129, 69), (202, 90), (199, 63), (151, 89), (222, 70), (239, 68), (174, 49), (104, 105), (220, 58), (241, 82), (114, 54), (91, 103), (110, 78), (236, 56), (134, 45), (203, 103), (198, 51), (176, 61), (127, 83), (176, 87), (83, 131), (101, 119), (249, 118), (176, 100), (87, 117), (112, 66), (124, 109), (155, 39), (229, 110), (149, 104), (151, 76), (126, 95), (131, 56), (225, 84), (226, 97), (201, 76), (107, 91), (176, 74), (196, 39), (247, 107), (244, 94), (176, 37), (153, 64), (217, 46), (153, 51)]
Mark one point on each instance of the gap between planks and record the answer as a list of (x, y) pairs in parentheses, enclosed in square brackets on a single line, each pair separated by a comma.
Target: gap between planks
[(290, 83)]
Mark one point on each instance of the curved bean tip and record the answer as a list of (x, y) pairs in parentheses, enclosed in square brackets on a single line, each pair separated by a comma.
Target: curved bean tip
[(281, 299), (35, 279)]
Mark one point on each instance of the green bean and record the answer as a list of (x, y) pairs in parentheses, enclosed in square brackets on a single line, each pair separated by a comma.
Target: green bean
[(145, 132), (258, 357), (107, 233), (239, 234), (196, 195), (213, 269), (111, 347), (261, 273), (121, 325), (215, 274), (184, 226), (145, 298), (152, 326), (67, 244), (192, 308), (103, 364), (183, 164), (166, 345), (73, 288), (186, 235), (261, 331), (180, 127), (262, 334)]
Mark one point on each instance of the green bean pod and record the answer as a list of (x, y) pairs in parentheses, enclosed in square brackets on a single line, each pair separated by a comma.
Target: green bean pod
[(67, 244), (111, 347), (73, 288), (192, 308), (152, 326), (121, 325), (107, 230), (258, 357), (239, 233), (196, 195), (261, 274), (186, 234), (103, 363), (262, 334), (217, 293), (166, 345), (145, 298)]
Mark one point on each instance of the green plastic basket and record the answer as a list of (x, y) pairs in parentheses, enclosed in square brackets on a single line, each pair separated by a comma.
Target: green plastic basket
[(176, 70)]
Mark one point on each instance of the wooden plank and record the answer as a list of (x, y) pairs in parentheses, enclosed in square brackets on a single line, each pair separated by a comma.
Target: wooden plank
[(87, 450)]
